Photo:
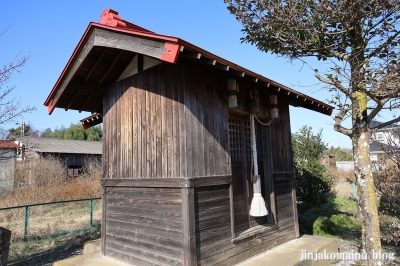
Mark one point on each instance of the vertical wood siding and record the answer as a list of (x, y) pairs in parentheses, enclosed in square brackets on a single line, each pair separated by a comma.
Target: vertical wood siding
[(282, 166), (206, 122), (141, 125), (166, 122)]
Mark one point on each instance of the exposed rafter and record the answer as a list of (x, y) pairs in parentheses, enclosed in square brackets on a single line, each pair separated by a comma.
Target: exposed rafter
[(95, 65)]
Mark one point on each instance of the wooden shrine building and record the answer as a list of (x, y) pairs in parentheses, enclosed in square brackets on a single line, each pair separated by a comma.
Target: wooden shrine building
[(177, 166)]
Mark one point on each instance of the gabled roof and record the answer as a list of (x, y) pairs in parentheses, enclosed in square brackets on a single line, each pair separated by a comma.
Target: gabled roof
[(50, 145), (375, 123), (376, 147), (7, 144), (107, 48)]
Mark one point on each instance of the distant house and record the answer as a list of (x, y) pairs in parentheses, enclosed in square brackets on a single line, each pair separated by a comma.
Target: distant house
[(328, 160), (8, 153), (74, 153), (384, 139)]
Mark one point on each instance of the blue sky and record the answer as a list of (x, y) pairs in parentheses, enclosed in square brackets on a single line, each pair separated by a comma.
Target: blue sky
[(50, 30)]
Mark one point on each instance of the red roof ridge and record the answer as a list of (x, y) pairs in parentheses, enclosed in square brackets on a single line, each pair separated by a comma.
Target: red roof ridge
[(110, 17)]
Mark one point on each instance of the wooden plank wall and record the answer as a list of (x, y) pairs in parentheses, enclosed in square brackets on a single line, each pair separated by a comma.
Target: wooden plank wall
[(169, 121), (144, 225), (213, 230), (206, 122), (282, 167), (213, 234), (142, 136)]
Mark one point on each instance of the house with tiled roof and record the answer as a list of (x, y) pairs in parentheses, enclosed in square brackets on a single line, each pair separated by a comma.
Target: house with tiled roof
[(383, 140), (73, 153)]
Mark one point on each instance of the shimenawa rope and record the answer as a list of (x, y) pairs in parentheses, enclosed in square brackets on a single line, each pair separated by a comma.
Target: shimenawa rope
[(258, 207)]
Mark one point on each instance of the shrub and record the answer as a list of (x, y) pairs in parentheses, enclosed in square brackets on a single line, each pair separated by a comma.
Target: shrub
[(324, 226), (313, 183)]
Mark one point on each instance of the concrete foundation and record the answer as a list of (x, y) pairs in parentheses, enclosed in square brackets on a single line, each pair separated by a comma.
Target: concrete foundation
[(292, 253)]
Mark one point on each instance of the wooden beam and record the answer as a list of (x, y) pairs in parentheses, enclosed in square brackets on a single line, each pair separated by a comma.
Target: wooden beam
[(95, 64), (103, 221), (146, 46), (99, 37), (140, 62), (88, 87), (189, 230), (87, 100), (73, 68), (72, 100), (167, 182), (111, 66), (96, 108)]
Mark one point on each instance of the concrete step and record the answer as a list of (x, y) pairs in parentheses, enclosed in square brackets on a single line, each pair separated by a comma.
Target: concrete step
[(91, 259), (298, 252), (92, 246)]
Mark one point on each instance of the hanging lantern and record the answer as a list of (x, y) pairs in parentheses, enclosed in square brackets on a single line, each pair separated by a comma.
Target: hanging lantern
[(273, 100), (232, 93)]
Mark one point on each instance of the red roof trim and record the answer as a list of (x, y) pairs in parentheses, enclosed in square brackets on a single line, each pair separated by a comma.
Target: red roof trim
[(173, 46), (7, 144), (93, 25), (172, 52), (92, 120)]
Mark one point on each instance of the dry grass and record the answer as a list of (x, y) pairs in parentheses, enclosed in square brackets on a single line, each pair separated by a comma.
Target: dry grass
[(46, 180), (341, 175)]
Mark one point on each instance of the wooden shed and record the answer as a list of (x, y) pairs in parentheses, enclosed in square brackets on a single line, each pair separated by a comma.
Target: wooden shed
[(177, 165)]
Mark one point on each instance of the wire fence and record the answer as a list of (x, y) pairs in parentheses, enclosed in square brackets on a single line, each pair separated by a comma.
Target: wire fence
[(345, 190), (38, 221)]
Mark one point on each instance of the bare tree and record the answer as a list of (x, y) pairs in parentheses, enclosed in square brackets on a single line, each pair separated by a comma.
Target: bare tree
[(361, 40), (10, 108)]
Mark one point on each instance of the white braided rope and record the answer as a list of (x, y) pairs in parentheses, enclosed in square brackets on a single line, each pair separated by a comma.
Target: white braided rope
[(258, 207), (253, 143)]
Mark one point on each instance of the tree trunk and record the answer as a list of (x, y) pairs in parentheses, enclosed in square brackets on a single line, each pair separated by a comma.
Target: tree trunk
[(371, 237)]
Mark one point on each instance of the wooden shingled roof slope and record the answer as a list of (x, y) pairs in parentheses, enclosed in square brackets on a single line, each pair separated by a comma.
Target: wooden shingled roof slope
[(107, 48), (51, 145)]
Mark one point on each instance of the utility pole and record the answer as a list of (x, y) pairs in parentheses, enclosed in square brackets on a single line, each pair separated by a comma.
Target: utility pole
[(22, 131)]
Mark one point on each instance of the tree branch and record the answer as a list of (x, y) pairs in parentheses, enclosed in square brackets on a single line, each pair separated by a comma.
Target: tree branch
[(383, 45), (338, 122), (335, 83), (386, 123), (377, 109)]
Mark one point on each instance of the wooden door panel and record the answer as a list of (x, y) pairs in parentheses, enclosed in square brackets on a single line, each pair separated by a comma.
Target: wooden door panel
[(242, 170)]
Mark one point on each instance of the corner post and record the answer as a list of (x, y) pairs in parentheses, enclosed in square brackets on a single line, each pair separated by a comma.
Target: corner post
[(189, 234), (103, 220)]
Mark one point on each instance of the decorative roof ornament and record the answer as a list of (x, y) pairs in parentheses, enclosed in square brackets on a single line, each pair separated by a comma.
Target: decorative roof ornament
[(110, 17)]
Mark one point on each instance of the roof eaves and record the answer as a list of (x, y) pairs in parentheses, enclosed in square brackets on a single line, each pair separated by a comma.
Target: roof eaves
[(174, 46), (171, 56), (257, 77)]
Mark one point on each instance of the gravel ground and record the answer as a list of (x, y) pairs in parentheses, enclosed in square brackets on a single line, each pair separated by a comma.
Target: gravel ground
[(355, 246)]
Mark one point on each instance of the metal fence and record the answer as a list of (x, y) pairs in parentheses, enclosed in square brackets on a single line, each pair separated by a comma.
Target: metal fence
[(345, 189), (38, 221)]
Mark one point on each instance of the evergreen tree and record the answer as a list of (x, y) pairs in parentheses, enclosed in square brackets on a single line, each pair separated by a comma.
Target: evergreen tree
[(312, 181)]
